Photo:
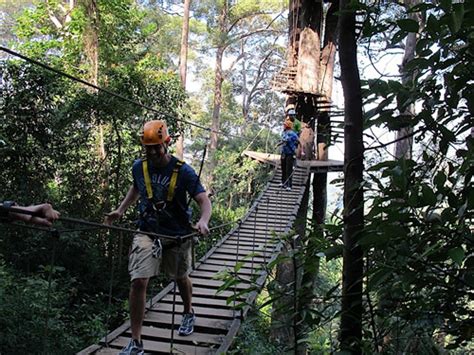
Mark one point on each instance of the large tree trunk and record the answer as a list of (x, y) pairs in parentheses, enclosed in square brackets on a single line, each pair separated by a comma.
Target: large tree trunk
[(218, 79), (404, 147), (215, 124), (183, 59), (351, 308), (326, 77), (304, 53), (91, 51)]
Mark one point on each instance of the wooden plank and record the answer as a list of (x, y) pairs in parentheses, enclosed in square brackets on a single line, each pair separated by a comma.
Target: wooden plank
[(247, 252), (231, 263), (203, 323), (164, 347), (248, 246), (257, 234), (276, 212), (215, 283), (207, 312), (104, 351), (210, 275), (201, 291), (262, 227), (201, 301), (266, 220), (226, 257), (250, 240), (248, 232), (219, 268), (164, 334)]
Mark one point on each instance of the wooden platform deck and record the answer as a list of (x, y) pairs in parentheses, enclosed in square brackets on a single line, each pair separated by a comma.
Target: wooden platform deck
[(254, 243), (315, 166)]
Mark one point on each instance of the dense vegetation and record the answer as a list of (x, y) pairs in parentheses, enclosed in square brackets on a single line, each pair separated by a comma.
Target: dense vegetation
[(73, 146)]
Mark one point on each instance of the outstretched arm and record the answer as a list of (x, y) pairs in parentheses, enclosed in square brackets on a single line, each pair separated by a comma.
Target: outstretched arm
[(43, 214), (130, 198), (206, 209)]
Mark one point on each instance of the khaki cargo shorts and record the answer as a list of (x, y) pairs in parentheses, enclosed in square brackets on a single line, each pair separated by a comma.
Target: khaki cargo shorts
[(143, 264)]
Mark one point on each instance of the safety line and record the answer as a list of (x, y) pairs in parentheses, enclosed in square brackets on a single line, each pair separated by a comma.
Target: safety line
[(69, 76)]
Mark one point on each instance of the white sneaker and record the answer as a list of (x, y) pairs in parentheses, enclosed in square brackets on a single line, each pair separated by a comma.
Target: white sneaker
[(134, 347)]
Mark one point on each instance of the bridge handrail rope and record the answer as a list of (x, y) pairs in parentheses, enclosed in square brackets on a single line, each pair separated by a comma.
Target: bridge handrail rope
[(105, 226)]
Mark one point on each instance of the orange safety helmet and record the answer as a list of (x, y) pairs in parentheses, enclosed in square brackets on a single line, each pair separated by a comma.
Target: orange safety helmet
[(155, 132)]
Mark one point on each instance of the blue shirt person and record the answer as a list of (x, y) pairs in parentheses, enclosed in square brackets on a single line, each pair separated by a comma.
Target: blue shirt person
[(161, 184), (289, 142)]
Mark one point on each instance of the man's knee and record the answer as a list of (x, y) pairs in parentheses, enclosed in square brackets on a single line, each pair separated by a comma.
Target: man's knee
[(139, 285), (183, 280)]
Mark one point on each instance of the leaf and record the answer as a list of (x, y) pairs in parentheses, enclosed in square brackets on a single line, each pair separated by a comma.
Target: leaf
[(457, 17), (398, 37), (378, 277), (374, 239), (457, 255), (333, 252), (439, 180), (408, 25), (421, 7), (429, 197), (417, 63), (432, 25), (446, 5), (462, 210), (385, 164)]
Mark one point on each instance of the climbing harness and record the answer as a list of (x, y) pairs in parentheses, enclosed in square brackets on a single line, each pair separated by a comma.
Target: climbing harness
[(157, 248), (172, 185)]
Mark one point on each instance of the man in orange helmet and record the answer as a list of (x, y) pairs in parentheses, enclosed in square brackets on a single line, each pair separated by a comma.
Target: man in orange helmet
[(161, 183)]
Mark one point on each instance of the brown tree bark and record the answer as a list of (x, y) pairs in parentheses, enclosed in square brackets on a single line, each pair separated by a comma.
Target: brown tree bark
[(183, 59), (351, 308), (404, 147), (304, 53), (217, 101), (326, 77)]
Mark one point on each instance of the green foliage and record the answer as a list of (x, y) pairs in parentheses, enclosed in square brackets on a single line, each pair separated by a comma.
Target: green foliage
[(50, 134), (418, 233), (29, 305), (254, 336)]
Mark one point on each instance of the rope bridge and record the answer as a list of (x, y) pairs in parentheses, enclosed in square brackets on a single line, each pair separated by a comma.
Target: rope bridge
[(244, 252)]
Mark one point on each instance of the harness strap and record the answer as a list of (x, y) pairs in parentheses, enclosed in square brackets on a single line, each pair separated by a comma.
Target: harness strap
[(174, 179), (146, 175)]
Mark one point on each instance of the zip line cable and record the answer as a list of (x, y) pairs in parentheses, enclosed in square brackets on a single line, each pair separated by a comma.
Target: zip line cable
[(84, 82)]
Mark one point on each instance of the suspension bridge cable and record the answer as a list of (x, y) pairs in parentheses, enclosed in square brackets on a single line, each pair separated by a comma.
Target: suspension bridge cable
[(84, 82), (102, 226)]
